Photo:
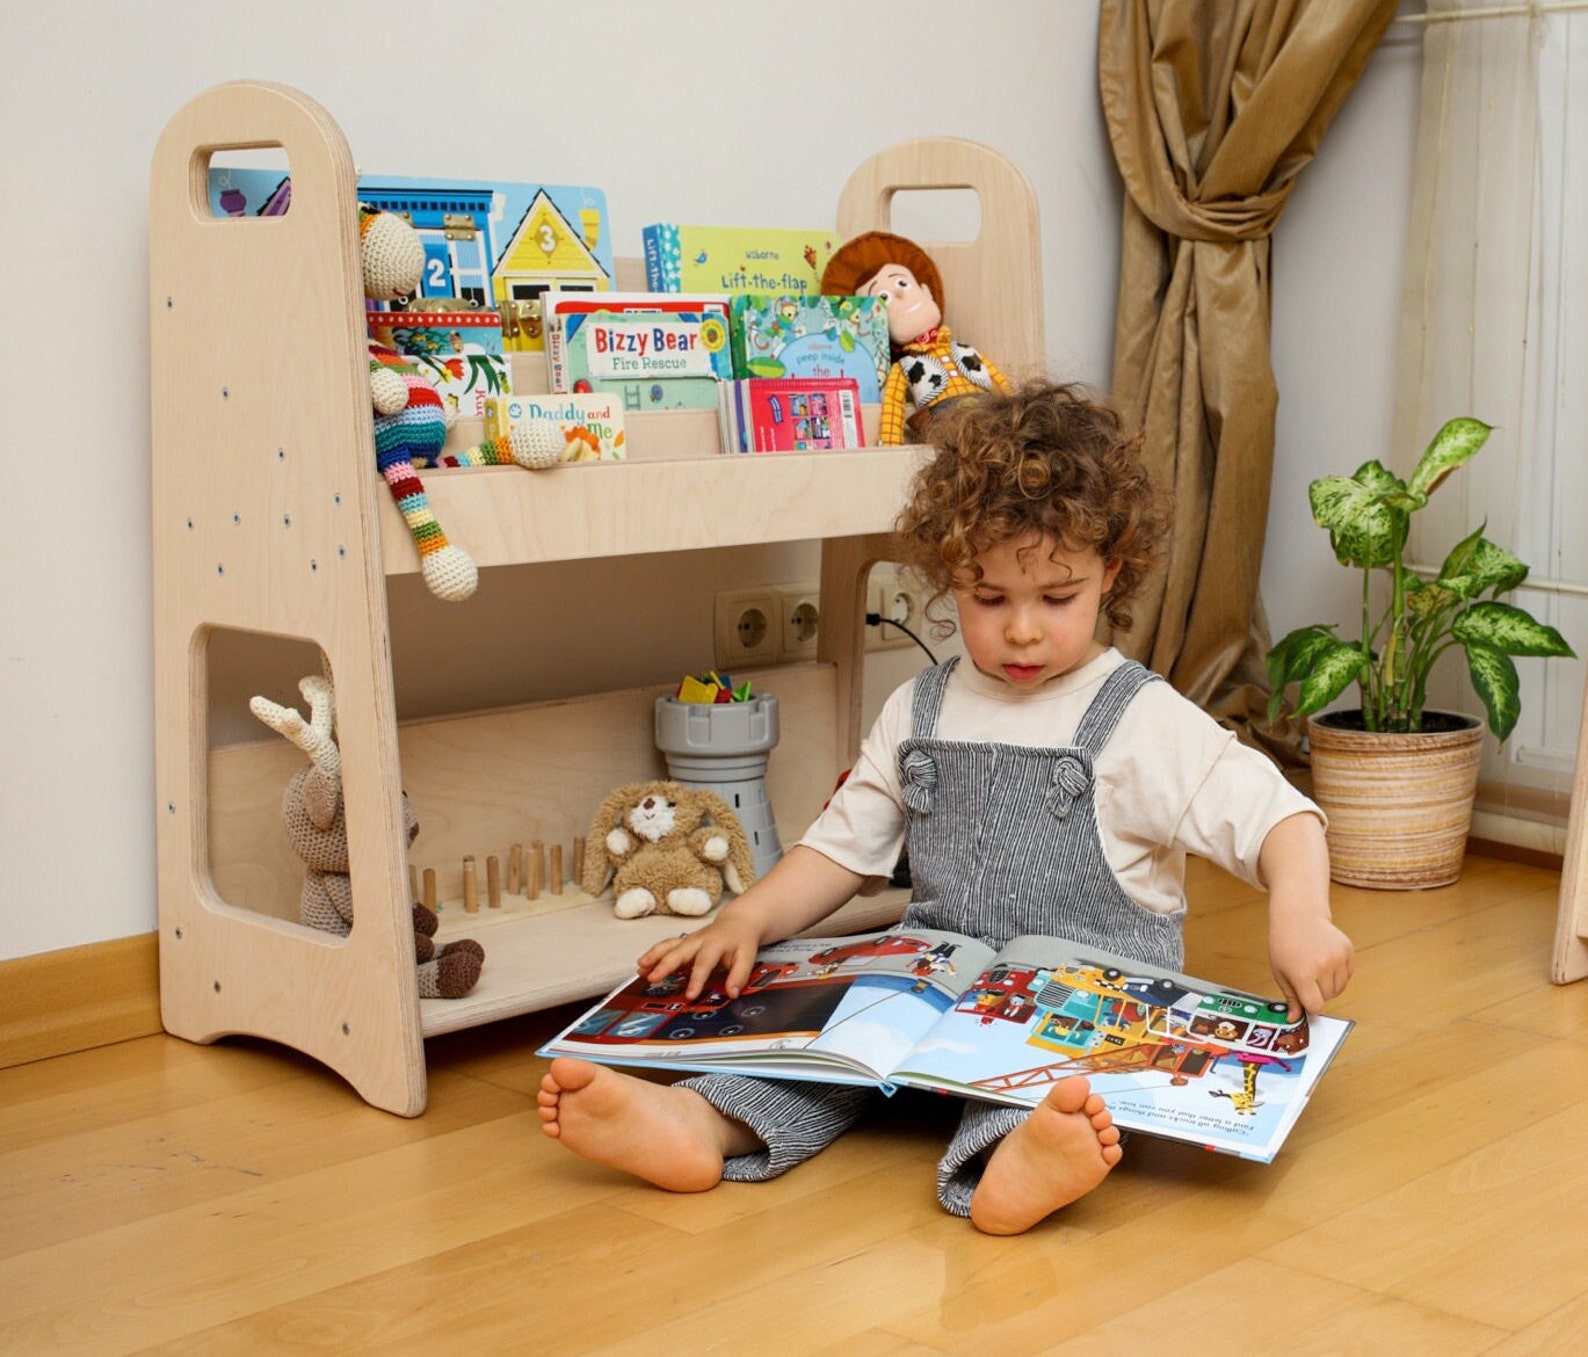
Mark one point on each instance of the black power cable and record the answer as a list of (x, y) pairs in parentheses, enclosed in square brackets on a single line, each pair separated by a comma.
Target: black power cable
[(878, 620)]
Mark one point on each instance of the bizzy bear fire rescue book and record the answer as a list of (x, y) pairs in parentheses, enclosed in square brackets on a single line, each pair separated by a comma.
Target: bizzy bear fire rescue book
[(1172, 1055)]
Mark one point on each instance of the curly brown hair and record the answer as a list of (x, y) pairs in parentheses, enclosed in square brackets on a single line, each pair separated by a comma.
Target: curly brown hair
[(1045, 458)]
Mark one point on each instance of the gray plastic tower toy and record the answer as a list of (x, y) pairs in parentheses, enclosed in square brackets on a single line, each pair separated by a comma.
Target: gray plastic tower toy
[(723, 747)]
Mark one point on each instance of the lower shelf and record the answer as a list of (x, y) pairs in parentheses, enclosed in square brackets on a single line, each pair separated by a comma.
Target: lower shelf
[(580, 952)]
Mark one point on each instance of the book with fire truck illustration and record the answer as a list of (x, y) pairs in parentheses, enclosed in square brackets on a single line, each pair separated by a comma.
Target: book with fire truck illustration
[(1173, 1056)]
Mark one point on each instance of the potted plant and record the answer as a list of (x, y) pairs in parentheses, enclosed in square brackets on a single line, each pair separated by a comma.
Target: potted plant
[(1364, 759)]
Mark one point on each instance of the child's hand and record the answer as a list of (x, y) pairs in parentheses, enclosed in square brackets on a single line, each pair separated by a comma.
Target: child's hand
[(728, 940), (1310, 957)]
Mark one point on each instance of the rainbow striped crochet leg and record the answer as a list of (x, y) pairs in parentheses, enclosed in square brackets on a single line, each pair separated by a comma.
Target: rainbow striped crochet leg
[(533, 448), (449, 571)]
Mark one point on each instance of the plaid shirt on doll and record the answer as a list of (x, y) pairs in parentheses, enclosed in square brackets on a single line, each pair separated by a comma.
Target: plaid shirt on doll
[(932, 369)]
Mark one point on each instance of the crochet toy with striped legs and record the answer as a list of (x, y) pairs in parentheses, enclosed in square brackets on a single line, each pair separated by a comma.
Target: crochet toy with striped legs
[(411, 420)]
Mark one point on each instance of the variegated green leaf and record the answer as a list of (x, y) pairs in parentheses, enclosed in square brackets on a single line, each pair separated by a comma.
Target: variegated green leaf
[(1456, 562), (1295, 655), (1364, 530), (1333, 671), (1480, 568), (1456, 443), (1429, 596), (1293, 658), (1494, 679), (1508, 629)]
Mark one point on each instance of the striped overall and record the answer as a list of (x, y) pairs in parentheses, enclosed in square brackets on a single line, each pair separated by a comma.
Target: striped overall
[(1002, 840)]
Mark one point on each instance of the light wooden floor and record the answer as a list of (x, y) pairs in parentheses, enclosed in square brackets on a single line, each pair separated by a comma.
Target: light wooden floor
[(162, 1197)]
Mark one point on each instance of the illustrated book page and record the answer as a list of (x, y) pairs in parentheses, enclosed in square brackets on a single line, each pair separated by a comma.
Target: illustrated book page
[(1171, 1055), (843, 1010)]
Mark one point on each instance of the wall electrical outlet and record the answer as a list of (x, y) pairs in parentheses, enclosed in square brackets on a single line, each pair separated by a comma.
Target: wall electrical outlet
[(799, 620), (896, 594), (748, 623)]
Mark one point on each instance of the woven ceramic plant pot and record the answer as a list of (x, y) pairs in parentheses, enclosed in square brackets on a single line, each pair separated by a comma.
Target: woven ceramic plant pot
[(1399, 806)]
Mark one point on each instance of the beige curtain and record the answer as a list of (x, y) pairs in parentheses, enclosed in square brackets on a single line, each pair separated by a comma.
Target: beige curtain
[(1213, 108)]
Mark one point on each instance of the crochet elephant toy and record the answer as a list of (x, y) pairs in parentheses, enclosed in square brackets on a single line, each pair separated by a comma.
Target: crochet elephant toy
[(411, 418), (317, 830)]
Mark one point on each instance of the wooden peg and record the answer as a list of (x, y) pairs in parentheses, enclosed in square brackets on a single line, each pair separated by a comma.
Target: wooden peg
[(537, 869), (471, 888), (429, 896), (413, 882), (578, 859), (493, 883), (556, 869), (515, 868)]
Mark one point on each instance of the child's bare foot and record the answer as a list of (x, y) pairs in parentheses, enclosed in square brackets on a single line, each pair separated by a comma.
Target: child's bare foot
[(1060, 1152), (668, 1136)]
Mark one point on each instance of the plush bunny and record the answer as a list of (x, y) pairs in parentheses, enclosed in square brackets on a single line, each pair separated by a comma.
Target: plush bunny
[(668, 848), (411, 419), (317, 830), (931, 368)]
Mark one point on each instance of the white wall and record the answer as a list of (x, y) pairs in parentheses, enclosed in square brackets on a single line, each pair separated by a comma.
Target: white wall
[(704, 111)]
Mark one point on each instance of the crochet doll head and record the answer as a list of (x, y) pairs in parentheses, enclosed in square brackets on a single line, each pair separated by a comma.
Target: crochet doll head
[(411, 420), (393, 255)]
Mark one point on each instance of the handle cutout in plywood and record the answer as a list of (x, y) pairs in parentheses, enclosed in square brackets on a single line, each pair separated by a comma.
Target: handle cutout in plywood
[(945, 216), (247, 181)]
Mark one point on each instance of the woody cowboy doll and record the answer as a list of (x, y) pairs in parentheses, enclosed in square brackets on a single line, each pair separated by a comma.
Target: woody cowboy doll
[(931, 368)]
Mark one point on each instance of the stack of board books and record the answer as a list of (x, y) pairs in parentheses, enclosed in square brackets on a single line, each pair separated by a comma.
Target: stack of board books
[(649, 351), (1171, 1055), (586, 427), (783, 335), (803, 366), (789, 414), (459, 347)]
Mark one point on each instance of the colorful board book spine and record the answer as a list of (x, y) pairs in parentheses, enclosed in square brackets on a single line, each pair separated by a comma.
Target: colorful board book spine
[(786, 335), (590, 424), (682, 258), (796, 414), (499, 244)]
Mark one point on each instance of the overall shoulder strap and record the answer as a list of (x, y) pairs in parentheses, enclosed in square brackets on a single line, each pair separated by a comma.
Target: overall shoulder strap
[(928, 699), (1109, 705)]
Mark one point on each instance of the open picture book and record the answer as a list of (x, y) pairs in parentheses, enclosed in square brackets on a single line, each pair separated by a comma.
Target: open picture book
[(1171, 1055)]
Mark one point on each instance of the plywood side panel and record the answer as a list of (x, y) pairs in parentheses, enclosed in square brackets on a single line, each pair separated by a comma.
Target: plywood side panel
[(993, 284), (264, 520)]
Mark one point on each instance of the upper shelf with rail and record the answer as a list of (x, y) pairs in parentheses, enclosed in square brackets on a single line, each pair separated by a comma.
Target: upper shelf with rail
[(269, 517)]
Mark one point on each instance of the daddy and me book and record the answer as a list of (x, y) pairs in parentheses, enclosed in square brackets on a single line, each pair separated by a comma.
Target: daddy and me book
[(1172, 1055)]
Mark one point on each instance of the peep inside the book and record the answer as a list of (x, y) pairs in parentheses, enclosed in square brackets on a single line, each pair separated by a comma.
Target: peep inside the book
[(1172, 1056)]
